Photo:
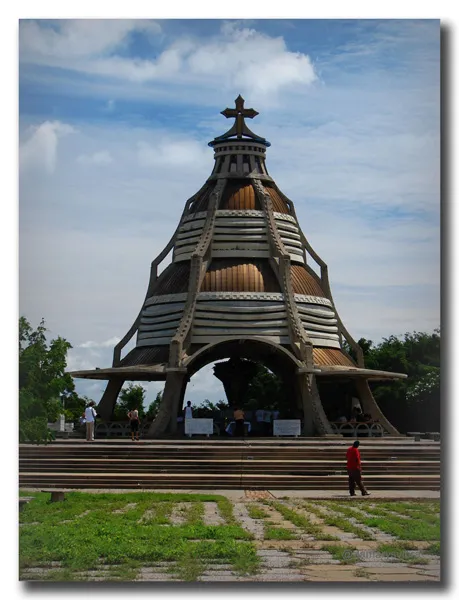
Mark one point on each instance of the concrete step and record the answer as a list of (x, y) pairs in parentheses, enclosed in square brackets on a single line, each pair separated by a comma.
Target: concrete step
[(218, 465), (196, 464), (202, 481)]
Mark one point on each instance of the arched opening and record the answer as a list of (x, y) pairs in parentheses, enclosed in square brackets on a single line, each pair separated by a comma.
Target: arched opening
[(255, 375)]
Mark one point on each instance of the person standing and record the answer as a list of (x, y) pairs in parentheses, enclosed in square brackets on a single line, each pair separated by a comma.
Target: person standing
[(259, 414), (90, 417), (267, 422), (134, 421), (188, 413), (239, 421), (354, 469)]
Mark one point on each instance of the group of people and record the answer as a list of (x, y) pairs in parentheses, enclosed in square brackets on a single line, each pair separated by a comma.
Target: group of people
[(357, 416), (353, 464), (89, 419), (263, 422)]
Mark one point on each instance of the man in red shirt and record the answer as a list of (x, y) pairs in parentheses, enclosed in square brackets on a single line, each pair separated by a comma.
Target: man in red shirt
[(354, 469)]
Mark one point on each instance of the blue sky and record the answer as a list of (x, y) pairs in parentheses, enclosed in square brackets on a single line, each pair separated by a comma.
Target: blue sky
[(114, 120)]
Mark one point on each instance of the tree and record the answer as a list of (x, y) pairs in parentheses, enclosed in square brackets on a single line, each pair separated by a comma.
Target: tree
[(43, 381), (266, 391), (209, 410), (412, 403), (131, 397), (154, 407)]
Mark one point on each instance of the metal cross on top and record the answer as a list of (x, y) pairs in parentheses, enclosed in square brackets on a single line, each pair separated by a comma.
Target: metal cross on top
[(239, 128), (239, 113)]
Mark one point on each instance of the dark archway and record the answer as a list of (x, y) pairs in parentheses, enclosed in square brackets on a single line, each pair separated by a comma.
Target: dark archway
[(274, 357)]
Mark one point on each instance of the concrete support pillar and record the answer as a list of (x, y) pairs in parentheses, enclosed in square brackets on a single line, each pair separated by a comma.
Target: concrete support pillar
[(166, 419), (371, 406), (107, 403), (315, 419)]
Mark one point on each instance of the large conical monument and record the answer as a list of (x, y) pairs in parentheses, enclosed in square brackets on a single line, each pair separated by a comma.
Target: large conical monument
[(241, 286)]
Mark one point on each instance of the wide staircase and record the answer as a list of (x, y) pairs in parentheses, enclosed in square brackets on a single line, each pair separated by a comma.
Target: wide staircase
[(302, 463)]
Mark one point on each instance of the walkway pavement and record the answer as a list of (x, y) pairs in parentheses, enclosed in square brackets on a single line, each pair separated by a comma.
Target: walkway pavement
[(319, 542), (238, 494)]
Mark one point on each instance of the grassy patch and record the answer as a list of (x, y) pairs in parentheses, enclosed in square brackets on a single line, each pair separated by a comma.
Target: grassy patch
[(344, 554), (340, 520), (256, 512), (188, 568), (433, 549), (414, 528), (226, 510), (245, 560), (413, 507), (278, 533), (416, 511), (300, 521), (404, 529), (360, 572), (129, 539), (400, 551)]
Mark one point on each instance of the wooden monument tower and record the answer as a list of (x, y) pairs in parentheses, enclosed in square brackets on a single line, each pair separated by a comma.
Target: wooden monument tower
[(240, 285)]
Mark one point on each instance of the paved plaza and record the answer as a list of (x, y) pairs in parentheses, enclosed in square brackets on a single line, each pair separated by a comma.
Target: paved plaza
[(314, 549)]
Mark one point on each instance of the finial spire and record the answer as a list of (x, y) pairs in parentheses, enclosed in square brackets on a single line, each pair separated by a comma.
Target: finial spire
[(239, 113), (239, 128)]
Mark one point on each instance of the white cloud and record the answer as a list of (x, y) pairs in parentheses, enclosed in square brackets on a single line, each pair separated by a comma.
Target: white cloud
[(98, 158), (176, 153), (77, 38), (107, 344), (40, 148), (238, 57)]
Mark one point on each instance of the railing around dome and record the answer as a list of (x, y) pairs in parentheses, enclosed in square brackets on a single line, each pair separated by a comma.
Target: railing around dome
[(349, 429), (116, 429)]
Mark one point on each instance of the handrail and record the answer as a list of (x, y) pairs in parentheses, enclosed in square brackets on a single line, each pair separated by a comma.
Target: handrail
[(369, 429)]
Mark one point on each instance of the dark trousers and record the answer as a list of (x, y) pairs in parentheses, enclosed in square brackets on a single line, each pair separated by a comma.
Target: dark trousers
[(355, 478), (239, 428)]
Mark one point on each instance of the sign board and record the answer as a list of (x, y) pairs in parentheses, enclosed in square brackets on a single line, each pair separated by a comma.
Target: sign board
[(287, 427), (199, 426)]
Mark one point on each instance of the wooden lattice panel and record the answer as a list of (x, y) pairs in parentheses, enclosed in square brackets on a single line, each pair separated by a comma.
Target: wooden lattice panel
[(239, 195), (173, 280), (331, 357), (304, 283), (279, 205), (202, 202), (228, 275)]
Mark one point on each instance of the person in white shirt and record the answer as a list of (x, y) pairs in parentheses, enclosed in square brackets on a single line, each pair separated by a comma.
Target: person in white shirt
[(259, 415), (188, 413), (267, 422), (134, 421), (89, 416)]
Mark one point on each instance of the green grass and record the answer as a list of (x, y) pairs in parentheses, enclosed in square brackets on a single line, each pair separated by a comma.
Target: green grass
[(419, 527), (128, 540), (360, 572), (339, 520), (414, 511), (413, 507), (278, 533), (433, 549), (344, 554), (188, 568), (256, 512), (226, 510), (399, 550), (300, 521)]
